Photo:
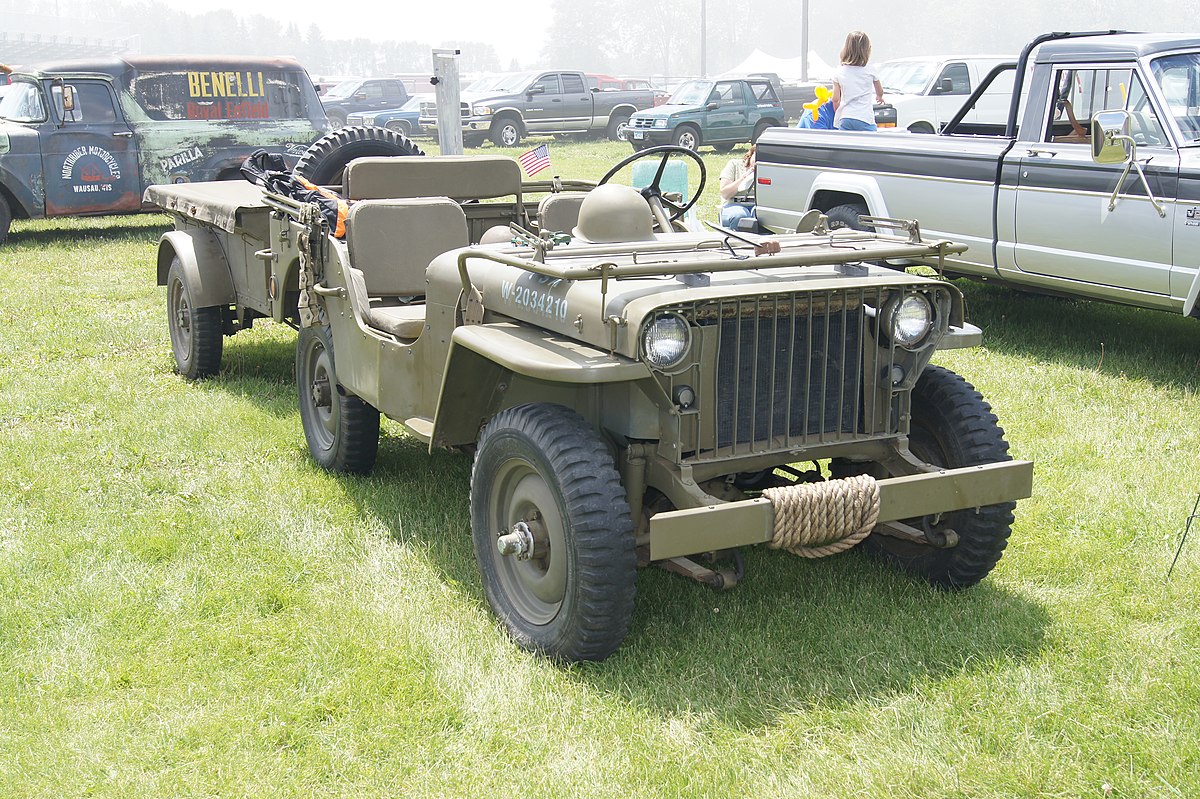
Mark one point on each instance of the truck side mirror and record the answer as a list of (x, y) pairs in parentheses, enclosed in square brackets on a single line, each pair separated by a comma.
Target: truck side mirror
[(712, 106), (68, 98), (532, 90), (1111, 142), (945, 86)]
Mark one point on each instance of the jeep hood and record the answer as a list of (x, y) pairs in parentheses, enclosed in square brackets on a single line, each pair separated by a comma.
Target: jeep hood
[(665, 111)]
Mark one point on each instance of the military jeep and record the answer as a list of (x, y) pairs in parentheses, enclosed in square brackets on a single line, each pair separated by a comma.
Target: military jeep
[(631, 394)]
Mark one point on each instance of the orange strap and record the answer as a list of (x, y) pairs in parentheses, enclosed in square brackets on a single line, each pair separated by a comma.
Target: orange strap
[(342, 206)]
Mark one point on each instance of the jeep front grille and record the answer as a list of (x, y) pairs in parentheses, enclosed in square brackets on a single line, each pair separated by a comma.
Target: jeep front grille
[(792, 371)]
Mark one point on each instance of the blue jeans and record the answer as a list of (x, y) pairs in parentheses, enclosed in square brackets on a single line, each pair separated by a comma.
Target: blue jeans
[(856, 124), (730, 213)]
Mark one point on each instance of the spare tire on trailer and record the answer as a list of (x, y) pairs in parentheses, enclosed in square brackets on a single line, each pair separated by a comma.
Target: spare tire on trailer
[(326, 158)]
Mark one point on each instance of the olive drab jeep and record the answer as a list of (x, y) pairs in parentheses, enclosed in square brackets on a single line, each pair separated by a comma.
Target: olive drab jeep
[(632, 394)]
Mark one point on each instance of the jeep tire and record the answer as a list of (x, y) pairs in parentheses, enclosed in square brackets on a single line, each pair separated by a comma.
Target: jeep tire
[(326, 158), (847, 216), (342, 430), (953, 426), (542, 468), (686, 136), (196, 333)]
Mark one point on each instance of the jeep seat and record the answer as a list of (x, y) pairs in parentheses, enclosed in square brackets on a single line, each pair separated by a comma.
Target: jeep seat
[(559, 212), (391, 243)]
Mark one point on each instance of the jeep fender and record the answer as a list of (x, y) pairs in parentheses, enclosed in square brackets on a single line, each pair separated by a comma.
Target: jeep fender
[(205, 267), (495, 357), (865, 187)]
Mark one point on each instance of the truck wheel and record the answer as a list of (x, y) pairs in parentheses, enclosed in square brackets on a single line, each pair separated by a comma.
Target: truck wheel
[(505, 132), (196, 338), (686, 136), (545, 486), (473, 141), (326, 158), (953, 426), (723, 148), (342, 431), (616, 128), (5, 220), (337, 121), (920, 127), (401, 126), (847, 216)]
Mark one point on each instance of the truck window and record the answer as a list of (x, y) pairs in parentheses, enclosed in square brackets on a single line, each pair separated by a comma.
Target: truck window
[(1179, 78), (960, 79), (764, 93), (93, 104), (549, 83), (23, 103), (573, 84), (726, 94), (1081, 93), (207, 95)]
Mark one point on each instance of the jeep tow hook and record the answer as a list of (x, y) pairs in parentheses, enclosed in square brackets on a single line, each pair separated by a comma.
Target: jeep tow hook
[(517, 541)]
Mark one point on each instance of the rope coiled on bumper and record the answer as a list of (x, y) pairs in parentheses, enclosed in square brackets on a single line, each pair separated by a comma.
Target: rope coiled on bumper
[(814, 520)]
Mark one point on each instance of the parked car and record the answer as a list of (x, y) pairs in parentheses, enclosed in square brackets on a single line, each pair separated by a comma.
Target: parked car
[(88, 136), (1088, 188), (720, 113), (363, 94), (922, 93), (542, 102), (406, 119)]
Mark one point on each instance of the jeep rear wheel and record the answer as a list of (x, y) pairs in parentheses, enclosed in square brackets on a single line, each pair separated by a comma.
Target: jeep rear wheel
[(196, 338), (552, 533), (326, 158), (505, 132), (342, 431), (5, 219), (953, 426)]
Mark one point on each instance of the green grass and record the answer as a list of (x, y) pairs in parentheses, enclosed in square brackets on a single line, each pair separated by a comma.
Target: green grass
[(189, 607)]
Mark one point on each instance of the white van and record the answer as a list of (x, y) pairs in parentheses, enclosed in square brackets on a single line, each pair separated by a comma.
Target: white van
[(922, 93)]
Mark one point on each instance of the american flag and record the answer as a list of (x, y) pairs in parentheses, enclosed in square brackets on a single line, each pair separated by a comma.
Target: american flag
[(535, 160)]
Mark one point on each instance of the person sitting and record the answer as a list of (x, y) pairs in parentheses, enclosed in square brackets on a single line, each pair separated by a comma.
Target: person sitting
[(737, 190)]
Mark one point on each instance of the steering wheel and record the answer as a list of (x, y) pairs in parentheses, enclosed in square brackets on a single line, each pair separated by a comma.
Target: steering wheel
[(653, 192)]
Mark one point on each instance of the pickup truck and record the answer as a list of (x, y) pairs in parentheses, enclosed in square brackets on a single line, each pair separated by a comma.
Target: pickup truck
[(720, 113), (88, 137), (923, 93), (632, 394), (541, 103), (1036, 200)]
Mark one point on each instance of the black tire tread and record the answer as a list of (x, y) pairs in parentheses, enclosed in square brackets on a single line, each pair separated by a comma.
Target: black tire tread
[(356, 442), (324, 160), (208, 334), (971, 436), (603, 531), (6, 217)]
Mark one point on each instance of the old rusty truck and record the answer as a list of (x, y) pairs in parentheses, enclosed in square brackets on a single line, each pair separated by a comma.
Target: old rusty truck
[(631, 394)]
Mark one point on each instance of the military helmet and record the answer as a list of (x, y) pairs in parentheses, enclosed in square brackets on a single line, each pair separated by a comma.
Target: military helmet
[(613, 212)]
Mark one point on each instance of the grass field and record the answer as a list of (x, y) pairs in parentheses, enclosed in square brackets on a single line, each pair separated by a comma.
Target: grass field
[(189, 607)]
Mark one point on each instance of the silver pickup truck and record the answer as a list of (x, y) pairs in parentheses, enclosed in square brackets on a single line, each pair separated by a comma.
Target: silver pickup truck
[(1039, 201)]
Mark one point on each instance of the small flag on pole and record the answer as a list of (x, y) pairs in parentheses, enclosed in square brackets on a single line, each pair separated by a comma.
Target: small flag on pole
[(535, 160)]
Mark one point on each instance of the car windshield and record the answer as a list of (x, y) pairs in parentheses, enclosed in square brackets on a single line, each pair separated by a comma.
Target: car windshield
[(344, 89), (1179, 78), (694, 92), (485, 84), (23, 103), (905, 77), (512, 83)]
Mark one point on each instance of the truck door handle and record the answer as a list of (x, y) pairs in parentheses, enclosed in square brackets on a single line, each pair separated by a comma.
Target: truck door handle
[(123, 134), (1035, 153)]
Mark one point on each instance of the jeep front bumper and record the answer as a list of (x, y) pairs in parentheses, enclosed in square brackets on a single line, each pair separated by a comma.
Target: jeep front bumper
[(734, 524)]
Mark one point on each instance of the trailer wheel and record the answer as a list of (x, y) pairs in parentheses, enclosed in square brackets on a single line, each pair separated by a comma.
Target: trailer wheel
[(196, 337), (545, 488), (341, 429), (326, 158), (953, 426)]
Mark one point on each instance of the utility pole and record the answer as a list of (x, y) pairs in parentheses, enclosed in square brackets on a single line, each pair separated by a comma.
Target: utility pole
[(446, 94), (804, 42), (704, 39)]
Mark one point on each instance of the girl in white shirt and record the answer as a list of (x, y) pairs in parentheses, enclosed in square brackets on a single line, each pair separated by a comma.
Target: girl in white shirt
[(852, 85)]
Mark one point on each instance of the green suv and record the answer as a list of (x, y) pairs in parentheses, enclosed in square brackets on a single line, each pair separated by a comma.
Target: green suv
[(721, 113)]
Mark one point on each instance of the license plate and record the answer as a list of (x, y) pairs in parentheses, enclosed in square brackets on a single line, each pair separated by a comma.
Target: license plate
[(637, 134)]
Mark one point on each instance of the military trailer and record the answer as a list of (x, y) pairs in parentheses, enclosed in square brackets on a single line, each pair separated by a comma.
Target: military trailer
[(631, 394)]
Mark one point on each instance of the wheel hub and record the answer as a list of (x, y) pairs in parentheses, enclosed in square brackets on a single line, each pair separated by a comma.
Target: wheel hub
[(321, 393)]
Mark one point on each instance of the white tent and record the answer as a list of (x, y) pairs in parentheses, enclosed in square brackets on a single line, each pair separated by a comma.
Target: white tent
[(788, 69)]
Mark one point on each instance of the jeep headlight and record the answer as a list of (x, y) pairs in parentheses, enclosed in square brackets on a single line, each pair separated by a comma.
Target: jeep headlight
[(908, 319), (482, 110), (661, 122), (665, 340)]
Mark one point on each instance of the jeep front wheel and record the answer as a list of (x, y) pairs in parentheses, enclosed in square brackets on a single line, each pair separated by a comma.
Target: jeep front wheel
[(953, 426), (342, 430), (552, 533), (506, 132), (196, 338), (686, 136)]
